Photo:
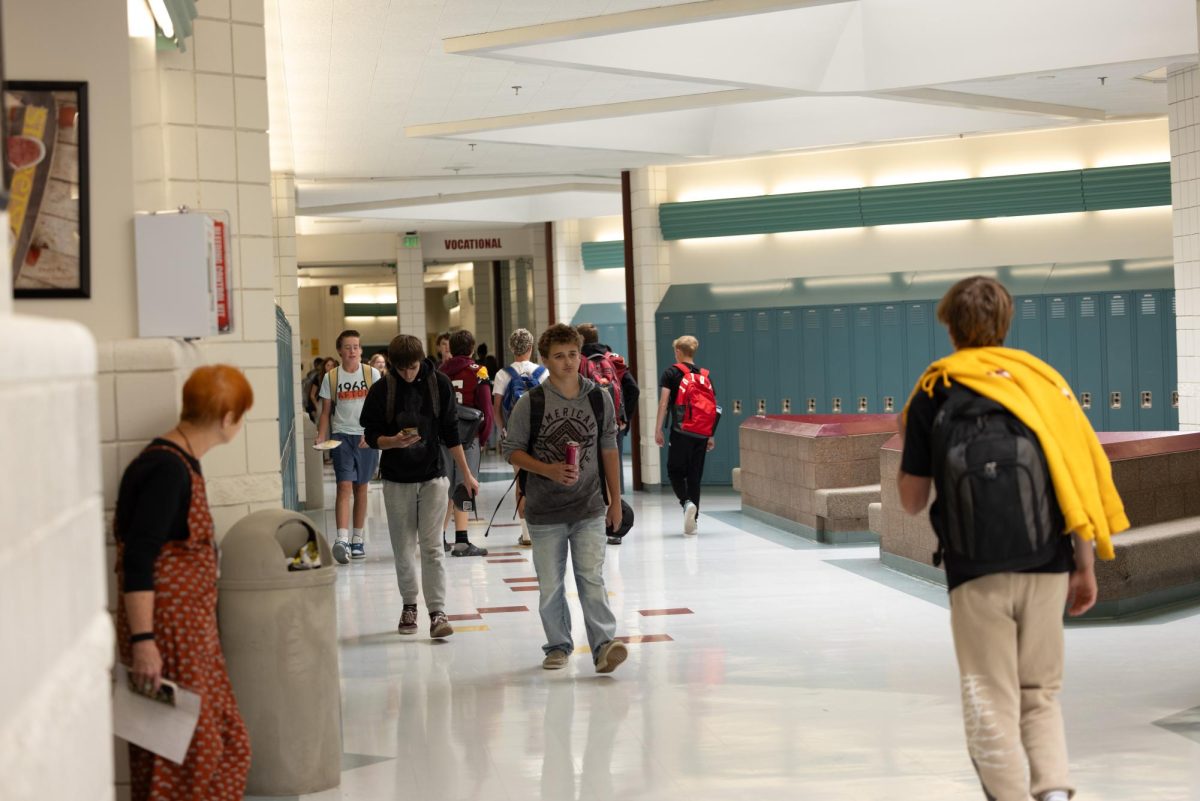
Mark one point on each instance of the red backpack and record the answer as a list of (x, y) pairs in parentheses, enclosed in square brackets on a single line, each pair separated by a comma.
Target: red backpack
[(695, 403), (607, 370)]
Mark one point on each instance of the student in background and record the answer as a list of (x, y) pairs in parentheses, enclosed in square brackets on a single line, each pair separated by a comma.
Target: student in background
[(379, 362), (443, 347), (510, 384), (687, 393), (472, 389), (607, 368), (354, 462)]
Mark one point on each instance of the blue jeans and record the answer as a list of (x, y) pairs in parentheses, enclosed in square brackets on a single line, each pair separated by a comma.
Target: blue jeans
[(587, 541)]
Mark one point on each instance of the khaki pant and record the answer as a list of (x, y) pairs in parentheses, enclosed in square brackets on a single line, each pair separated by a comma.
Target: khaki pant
[(1008, 636)]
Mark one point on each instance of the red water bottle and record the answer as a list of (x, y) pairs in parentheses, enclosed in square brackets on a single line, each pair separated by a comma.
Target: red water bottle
[(572, 454)]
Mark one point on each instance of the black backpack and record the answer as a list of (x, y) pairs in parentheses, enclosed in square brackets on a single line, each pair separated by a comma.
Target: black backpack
[(469, 418), (996, 510)]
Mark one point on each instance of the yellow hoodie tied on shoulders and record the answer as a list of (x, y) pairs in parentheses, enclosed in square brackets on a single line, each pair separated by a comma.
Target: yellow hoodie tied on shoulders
[(1039, 397)]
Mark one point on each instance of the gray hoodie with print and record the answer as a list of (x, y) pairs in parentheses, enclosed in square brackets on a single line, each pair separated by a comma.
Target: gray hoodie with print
[(565, 420)]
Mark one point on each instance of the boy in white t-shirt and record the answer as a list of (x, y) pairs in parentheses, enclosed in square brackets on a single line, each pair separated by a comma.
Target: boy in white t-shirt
[(508, 386), (354, 462)]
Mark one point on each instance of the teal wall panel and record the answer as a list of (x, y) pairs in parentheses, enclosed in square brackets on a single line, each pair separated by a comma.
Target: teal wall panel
[(603, 255), (972, 198)]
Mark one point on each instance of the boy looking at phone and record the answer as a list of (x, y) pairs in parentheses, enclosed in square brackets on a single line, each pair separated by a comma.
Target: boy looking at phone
[(410, 415)]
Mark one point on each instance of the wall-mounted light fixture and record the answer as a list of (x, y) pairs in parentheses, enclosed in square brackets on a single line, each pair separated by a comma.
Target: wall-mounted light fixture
[(173, 18)]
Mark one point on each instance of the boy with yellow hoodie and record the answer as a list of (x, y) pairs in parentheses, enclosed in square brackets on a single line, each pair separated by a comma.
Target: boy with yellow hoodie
[(1007, 598)]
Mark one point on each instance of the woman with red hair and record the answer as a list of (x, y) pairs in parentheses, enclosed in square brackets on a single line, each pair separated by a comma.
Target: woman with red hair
[(167, 591)]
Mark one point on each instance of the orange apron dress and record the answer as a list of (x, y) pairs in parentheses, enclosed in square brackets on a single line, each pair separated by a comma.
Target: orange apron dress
[(185, 630)]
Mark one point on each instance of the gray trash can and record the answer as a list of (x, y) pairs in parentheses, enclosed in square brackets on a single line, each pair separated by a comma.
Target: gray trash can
[(279, 634)]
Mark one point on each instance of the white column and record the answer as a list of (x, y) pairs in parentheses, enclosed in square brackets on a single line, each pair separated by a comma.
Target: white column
[(410, 290), (568, 269), (652, 277), (1183, 113)]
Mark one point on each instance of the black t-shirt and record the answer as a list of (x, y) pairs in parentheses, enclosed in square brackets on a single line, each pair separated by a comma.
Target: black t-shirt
[(152, 509), (917, 460)]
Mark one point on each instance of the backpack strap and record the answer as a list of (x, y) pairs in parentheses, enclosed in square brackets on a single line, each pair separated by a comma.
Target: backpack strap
[(596, 397), (537, 410), (512, 374), (390, 414), (332, 375), (538, 372), (368, 374), (435, 395)]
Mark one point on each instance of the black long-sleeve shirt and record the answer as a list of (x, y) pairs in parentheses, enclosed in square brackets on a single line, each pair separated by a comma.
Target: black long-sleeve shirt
[(414, 409), (152, 509)]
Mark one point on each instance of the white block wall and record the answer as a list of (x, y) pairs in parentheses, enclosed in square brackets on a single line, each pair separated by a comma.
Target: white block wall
[(58, 638), (568, 269), (541, 297), (410, 291), (652, 278), (1183, 111)]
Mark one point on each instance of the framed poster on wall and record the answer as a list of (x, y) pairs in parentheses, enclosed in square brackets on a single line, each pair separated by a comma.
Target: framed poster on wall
[(46, 150)]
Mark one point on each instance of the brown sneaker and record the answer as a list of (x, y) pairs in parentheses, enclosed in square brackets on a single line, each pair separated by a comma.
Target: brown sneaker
[(439, 627), (408, 620), (555, 660), (612, 654)]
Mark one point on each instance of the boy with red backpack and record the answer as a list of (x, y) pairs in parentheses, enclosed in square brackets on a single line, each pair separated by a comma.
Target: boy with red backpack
[(688, 391), (609, 371), (472, 390)]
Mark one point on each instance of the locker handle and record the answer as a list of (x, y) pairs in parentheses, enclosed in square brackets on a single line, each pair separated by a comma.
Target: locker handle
[(1147, 400), (1114, 400), (837, 405), (812, 405), (862, 404), (762, 408), (1085, 400), (889, 404), (787, 406), (1175, 399), (737, 407)]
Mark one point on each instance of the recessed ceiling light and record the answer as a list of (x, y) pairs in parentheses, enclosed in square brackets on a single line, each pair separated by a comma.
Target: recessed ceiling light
[(1153, 76)]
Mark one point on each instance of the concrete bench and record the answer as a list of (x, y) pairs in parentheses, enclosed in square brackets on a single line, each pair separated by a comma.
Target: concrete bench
[(1157, 561), (813, 475)]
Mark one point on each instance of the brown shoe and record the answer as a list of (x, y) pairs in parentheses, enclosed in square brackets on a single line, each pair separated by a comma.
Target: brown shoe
[(612, 654), (439, 627), (555, 660)]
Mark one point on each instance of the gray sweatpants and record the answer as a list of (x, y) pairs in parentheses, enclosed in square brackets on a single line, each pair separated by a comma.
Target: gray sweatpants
[(414, 514)]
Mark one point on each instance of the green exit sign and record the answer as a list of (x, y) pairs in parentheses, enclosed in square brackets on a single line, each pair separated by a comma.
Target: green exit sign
[(412, 241)]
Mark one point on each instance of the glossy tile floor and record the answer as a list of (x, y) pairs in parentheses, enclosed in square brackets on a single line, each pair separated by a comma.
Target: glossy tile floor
[(788, 671)]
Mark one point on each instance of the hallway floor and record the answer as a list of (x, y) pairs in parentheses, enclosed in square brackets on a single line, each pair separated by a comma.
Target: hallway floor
[(768, 668)]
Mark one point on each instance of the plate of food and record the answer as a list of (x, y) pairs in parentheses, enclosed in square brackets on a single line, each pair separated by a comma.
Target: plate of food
[(327, 445)]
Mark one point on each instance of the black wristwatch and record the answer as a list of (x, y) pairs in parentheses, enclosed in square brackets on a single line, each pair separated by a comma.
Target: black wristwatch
[(145, 635)]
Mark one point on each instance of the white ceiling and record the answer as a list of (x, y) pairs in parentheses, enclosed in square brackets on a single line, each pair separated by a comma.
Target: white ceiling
[(376, 104)]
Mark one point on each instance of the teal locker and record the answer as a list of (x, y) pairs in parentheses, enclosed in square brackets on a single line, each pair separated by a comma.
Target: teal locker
[(812, 345), (1060, 337), (616, 336), (1119, 401), (918, 343), (864, 365), (893, 384), (1149, 373), (838, 366), (1170, 346), (723, 346), (941, 336), (1085, 312), (763, 348), (789, 362), (1027, 330), (668, 326)]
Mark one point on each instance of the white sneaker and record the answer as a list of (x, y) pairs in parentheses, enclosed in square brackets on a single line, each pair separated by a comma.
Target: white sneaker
[(1055, 795), (689, 518), (524, 538)]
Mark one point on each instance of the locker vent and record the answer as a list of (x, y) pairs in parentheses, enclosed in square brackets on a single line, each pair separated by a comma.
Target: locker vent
[(1149, 306), (787, 322), (837, 318), (812, 319), (739, 324), (890, 316), (689, 325), (1028, 310), (916, 314), (862, 317), (1172, 303), (1087, 307), (1116, 306), (1058, 308), (668, 329), (762, 322)]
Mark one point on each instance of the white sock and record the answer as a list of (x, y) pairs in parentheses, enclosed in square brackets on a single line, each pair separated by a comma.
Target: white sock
[(1055, 795), (524, 529), (343, 534), (359, 535)]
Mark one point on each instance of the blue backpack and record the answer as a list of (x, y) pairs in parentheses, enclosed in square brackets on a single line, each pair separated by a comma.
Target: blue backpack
[(518, 385)]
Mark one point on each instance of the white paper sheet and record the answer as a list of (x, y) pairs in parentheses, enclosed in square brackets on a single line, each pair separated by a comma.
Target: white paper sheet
[(162, 728)]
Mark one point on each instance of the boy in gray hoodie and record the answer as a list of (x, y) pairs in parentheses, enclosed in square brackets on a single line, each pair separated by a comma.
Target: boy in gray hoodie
[(567, 505)]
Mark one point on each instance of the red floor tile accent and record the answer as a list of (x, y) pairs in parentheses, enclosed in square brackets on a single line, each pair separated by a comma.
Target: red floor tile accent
[(475, 616), (505, 561), (492, 610), (522, 580), (633, 639), (506, 553), (680, 610), (525, 588)]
